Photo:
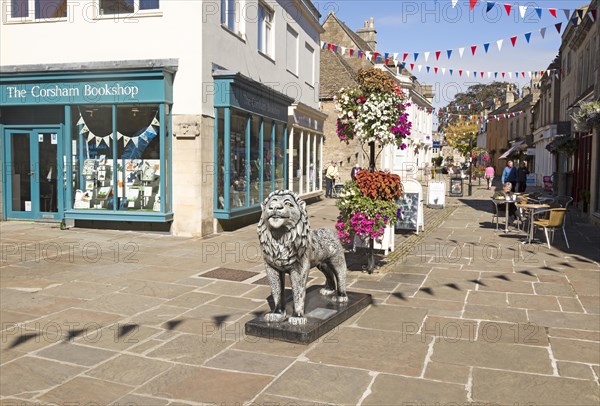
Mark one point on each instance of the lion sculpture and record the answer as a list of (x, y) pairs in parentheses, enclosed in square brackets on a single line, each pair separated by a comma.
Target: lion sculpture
[(289, 246)]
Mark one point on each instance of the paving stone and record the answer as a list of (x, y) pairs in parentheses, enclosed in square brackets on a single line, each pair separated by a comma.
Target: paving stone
[(34, 374), (565, 320), (410, 278), (515, 333), (259, 292), (118, 337), (439, 371), (156, 289), (576, 350), (81, 290), (570, 304), (493, 355), (561, 279), (494, 313), (205, 385), (145, 346), (533, 302), (76, 354), (388, 389), (84, 391), (121, 303), (73, 319), (554, 289), (518, 388), (487, 298), (374, 285), (575, 334), (137, 400), (449, 329), (157, 316), (500, 285), (591, 303), (129, 370), (323, 383), (227, 288), (274, 347), (575, 370), (191, 299), (268, 399), (37, 304), (244, 361), (238, 302), (189, 349), (385, 317), (398, 353)]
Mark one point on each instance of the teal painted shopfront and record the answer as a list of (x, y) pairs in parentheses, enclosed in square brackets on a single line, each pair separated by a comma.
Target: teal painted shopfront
[(251, 144), (87, 144)]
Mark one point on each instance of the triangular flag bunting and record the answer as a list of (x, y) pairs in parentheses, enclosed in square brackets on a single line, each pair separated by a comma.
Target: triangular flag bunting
[(98, 141), (443, 71), (486, 47), (451, 71), (404, 56), (575, 20), (528, 37), (567, 13), (90, 137), (473, 48), (449, 52), (553, 12), (495, 74), (490, 5), (543, 32), (419, 67), (416, 55), (507, 7), (580, 14), (427, 68), (106, 140), (343, 50), (426, 56), (481, 74), (437, 55), (80, 121), (460, 73), (119, 135), (454, 3), (135, 141), (539, 12), (126, 140), (155, 122), (472, 4), (499, 43), (435, 69), (461, 51), (412, 66), (592, 15), (323, 43), (558, 27), (84, 129), (513, 40), (522, 10)]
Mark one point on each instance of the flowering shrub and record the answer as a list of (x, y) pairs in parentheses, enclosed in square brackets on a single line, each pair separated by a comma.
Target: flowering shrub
[(565, 144), (363, 216), (587, 117), (379, 185), (375, 111)]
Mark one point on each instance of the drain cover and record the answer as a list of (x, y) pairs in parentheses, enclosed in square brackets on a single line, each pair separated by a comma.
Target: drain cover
[(228, 274)]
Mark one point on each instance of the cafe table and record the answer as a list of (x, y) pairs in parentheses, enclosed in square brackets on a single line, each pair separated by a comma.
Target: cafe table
[(531, 208)]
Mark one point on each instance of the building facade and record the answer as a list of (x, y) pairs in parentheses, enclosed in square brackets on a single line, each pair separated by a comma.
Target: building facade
[(187, 131)]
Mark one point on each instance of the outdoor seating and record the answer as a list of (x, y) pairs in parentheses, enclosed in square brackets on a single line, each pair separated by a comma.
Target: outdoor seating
[(499, 211), (548, 183), (555, 220)]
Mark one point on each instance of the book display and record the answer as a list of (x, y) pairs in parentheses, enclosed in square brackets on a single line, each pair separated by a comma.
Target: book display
[(137, 184)]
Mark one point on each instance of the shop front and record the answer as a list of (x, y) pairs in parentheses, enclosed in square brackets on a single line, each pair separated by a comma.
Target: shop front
[(87, 144)]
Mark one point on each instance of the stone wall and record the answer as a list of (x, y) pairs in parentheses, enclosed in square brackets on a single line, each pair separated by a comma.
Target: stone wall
[(192, 175)]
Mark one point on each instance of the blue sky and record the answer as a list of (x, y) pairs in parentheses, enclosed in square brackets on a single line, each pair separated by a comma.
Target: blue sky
[(428, 26)]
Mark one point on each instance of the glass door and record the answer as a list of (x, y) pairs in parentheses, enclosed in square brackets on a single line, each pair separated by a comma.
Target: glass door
[(32, 179)]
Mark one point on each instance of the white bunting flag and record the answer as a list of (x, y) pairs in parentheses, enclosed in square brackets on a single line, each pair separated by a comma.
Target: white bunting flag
[(543, 32), (460, 51), (155, 122), (499, 42), (80, 121), (126, 140), (90, 136), (426, 55), (522, 10)]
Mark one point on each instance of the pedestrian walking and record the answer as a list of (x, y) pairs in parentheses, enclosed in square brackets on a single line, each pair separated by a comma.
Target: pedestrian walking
[(522, 173), (489, 175), (330, 175), (510, 175), (355, 169)]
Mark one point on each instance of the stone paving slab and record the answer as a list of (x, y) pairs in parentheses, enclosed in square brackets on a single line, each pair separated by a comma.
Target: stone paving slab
[(461, 314)]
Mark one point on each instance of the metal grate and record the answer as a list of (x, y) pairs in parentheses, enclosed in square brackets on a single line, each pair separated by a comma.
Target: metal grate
[(228, 274)]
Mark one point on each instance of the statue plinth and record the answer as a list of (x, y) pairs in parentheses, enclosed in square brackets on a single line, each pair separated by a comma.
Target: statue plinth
[(322, 315)]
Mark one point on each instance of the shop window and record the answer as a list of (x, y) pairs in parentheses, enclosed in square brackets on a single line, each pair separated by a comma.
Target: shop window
[(237, 159), (265, 29), (267, 157), (255, 161), (220, 164), (297, 165), (37, 9), (279, 158), (112, 7), (133, 174)]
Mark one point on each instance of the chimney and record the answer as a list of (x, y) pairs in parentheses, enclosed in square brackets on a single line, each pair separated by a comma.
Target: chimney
[(368, 34), (526, 91), (510, 96)]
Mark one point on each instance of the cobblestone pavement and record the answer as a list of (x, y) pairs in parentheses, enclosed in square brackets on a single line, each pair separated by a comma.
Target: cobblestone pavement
[(461, 314)]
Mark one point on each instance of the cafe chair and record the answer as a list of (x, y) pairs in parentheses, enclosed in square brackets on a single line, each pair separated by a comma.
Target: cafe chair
[(555, 220), (499, 210)]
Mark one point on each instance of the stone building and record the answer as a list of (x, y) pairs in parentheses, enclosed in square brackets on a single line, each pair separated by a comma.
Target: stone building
[(164, 115), (337, 72)]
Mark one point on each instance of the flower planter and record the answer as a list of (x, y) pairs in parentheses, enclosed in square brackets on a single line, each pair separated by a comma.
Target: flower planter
[(385, 244)]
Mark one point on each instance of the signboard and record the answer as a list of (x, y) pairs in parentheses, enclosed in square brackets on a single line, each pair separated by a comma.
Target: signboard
[(530, 151), (410, 207), (436, 144), (436, 195), (456, 187), (531, 180)]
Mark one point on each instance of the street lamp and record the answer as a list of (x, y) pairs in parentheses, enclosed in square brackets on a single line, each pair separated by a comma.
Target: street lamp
[(470, 165), (370, 256)]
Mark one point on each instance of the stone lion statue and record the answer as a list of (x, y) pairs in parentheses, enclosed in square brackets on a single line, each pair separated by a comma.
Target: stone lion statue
[(289, 246)]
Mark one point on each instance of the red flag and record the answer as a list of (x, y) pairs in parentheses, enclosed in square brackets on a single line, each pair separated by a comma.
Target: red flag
[(351, 51), (329, 47), (437, 55), (435, 69), (502, 74), (472, 4), (412, 66), (507, 7), (523, 73), (460, 73), (553, 12), (481, 74), (513, 40), (542, 72), (387, 61), (473, 48), (404, 56)]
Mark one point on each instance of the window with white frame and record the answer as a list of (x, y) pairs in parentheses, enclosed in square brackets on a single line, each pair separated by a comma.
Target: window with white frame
[(310, 64), (36, 9), (265, 29), (113, 7), (292, 50), (231, 16)]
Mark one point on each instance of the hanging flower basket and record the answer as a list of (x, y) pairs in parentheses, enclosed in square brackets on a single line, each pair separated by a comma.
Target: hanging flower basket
[(566, 145), (368, 205), (587, 118)]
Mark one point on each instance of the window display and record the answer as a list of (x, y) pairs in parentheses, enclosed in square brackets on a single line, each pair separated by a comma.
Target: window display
[(134, 176)]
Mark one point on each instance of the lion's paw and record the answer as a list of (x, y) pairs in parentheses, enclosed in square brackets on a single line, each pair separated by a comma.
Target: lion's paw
[(340, 299), (297, 321), (326, 292), (274, 317)]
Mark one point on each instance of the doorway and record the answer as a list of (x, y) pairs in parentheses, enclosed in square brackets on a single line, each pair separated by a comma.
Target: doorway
[(33, 174)]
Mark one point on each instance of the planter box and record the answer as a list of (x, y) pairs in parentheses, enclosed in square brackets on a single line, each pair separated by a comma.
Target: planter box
[(386, 245)]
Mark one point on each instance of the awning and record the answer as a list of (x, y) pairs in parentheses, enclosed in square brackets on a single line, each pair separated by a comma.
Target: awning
[(512, 149)]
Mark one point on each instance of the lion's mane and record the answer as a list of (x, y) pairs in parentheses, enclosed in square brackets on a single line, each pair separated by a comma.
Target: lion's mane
[(284, 249)]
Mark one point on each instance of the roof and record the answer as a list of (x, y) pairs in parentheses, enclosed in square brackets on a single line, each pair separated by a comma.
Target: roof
[(358, 41), (335, 74)]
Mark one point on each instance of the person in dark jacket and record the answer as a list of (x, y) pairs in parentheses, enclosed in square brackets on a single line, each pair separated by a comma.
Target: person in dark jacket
[(522, 173), (354, 171)]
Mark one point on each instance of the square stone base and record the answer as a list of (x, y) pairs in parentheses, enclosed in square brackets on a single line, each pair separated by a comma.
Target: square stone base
[(322, 316)]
